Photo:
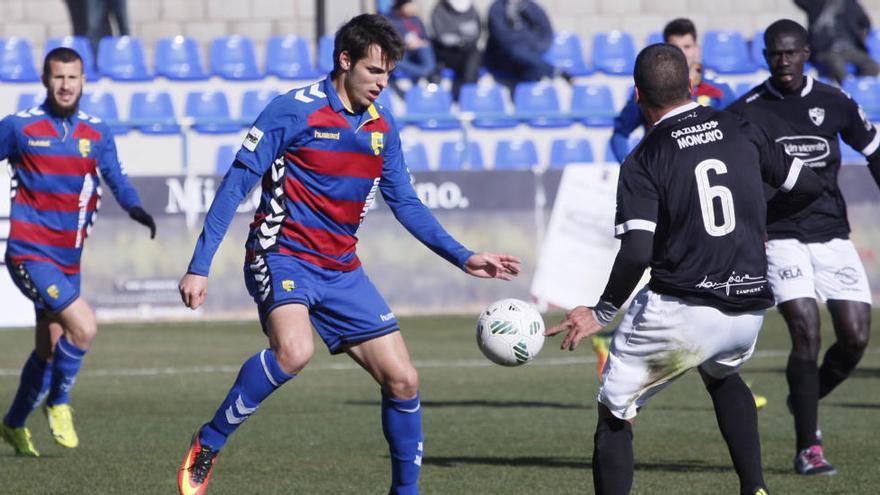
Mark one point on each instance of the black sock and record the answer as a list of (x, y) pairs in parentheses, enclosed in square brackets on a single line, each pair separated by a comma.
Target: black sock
[(613, 457), (836, 367), (738, 421), (803, 385)]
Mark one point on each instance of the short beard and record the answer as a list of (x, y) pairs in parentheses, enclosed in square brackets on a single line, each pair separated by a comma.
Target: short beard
[(59, 111)]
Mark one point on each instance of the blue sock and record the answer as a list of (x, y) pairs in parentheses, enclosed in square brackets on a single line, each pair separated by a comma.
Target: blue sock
[(402, 425), (65, 366), (32, 388), (259, 376)]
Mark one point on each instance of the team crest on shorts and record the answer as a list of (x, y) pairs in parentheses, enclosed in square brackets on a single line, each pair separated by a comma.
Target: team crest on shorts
[(53, 291), (288, 285), (817, 115), (377, 142), (85, 147)]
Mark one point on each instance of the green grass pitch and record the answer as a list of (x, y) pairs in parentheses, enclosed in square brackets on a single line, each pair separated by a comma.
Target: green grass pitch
[(145, 388)]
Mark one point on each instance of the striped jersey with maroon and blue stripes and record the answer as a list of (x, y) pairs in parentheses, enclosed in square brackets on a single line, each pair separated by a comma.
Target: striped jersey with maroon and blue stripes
[(55, 189)]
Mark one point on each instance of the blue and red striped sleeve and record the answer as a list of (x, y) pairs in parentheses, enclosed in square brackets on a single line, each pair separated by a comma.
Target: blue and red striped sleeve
[(7, 137), (408, 209)]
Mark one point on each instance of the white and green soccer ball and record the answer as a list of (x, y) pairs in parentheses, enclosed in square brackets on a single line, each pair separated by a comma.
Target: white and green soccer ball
[(510, 332)]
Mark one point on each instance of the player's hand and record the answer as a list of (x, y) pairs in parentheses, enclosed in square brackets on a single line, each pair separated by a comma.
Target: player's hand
[(142, 217), (579, 323), (193, 289), (492, 265)]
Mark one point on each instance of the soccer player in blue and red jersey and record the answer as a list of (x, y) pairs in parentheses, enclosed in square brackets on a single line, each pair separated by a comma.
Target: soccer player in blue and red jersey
[(322, 153), (55, 153)]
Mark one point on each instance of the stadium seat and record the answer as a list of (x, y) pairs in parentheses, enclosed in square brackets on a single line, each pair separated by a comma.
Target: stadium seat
[(456, 155), (386, 101), (609, 154), (873, 42), (325, 53), (614, 53), (428, 107), (233, 58), (743, 88), (153, 113), (515, 154), (29, 100), (179, 59), (726, 52), (102, 104), (122, 59), (289, 57), (566, 151), (866, 92), (849, 156), (17, 61), (538, 105), (486, 102), (210, 112), (253, 102), (81, 45), (416, 155), (593, 105), (566, 53), (654, 38), (756, 49), (225, 155)]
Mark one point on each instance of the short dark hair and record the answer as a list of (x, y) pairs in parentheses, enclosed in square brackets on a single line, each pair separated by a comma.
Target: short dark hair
[(679, 27), (356, 36), (60, 54), (785, 27), (661, 75)]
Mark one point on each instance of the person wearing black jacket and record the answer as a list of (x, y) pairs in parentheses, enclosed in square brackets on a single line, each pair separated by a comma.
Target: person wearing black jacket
[(837, 32)]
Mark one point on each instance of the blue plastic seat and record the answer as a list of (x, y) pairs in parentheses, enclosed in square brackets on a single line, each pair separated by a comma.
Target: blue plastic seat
[(210, 112), (653, 38), (756, 50), (179, 59), (538, 105), (289, 57), (153, 113), (385, 100), (593, 105), (17, 61), (253, 102), (726, 52), (233, 58), (849, 156), (614, 53), (742, 88), (80, 45), (515, 154), (102, 104), (29, 100), (456, 155), (566, 53), (225, 156), (428, 107), (631, 145), (415, 155), (486, 102), (873, 43), (566, 151), (325, 53), (122, 59), (866, 92)]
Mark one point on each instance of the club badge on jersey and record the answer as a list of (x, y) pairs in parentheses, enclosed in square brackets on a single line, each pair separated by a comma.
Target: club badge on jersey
[(817, 115), (377, 142)]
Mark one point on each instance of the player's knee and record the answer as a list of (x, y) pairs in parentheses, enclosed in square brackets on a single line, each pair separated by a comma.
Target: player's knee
[(404, 385), (293, 356), (856, 341)]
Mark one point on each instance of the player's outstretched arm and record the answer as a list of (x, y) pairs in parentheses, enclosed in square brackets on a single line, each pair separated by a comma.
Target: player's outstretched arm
[(492, 265), (579, 323), (142, 217), (193, 289)]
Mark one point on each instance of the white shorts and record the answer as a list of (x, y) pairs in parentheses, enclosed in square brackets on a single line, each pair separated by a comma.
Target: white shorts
[(823, 270), (661, 337)]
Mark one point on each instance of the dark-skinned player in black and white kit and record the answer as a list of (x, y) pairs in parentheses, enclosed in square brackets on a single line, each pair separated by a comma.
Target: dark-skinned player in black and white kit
[(809, 253), (690, 204)]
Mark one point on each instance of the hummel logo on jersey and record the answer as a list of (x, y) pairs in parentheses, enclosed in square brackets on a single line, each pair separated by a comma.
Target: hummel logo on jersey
[(252, 139), (817, 115), (387, 317), (313, 92), (326, 135), (39, 143)]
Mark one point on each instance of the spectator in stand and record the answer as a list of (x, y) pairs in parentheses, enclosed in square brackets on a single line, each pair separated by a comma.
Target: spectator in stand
[(419, 60), (837, 33), (457, 30), (91, 18), (707, 92), (520, 34)]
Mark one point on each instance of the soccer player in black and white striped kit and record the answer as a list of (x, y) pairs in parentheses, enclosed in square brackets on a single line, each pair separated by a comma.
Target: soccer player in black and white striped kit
[(690, 204)]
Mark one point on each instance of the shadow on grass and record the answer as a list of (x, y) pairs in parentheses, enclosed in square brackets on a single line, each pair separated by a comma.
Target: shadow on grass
[(695, 466), (855, 405), (526, 461), (500, 404), (865, 373)]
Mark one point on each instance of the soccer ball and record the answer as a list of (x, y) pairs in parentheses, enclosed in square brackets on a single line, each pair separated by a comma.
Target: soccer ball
[(510, 332)]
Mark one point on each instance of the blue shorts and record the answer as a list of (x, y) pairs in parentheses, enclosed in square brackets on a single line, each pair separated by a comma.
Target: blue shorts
[(45, 284), (344, 307)]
